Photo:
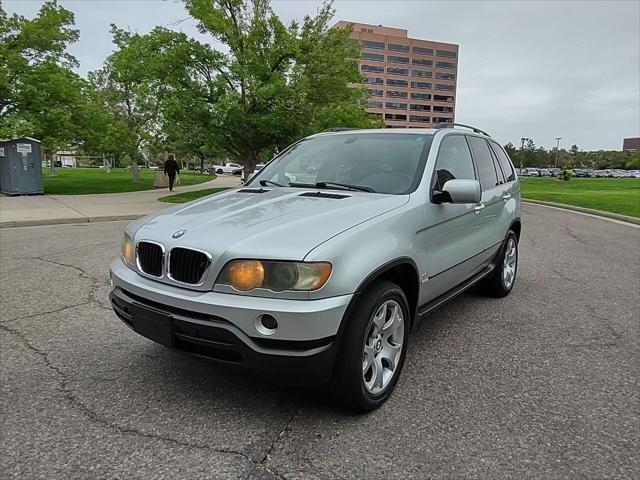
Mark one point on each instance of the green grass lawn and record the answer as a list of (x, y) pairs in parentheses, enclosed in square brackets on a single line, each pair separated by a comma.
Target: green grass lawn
[(76, 181), (188, 196), (616, 195)]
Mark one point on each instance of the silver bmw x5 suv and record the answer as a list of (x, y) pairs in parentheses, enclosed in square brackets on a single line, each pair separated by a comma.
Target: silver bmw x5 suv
[(319, 267)]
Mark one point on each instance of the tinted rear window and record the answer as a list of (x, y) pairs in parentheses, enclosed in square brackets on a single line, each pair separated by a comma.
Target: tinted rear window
[(484, 162), (505, 163)]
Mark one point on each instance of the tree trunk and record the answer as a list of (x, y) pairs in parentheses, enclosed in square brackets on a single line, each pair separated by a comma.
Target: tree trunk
[(250, 161)]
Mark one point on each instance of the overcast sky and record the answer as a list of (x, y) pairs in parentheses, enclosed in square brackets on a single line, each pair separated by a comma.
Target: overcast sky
[(538, 69)]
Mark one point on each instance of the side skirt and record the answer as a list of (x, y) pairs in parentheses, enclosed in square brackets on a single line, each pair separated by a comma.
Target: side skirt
[(429, 307)]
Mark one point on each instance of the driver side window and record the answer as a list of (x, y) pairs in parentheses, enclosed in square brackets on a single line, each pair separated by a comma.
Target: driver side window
[(453, 161)]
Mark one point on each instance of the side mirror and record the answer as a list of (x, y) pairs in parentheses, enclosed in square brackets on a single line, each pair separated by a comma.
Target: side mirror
[(459, 191)]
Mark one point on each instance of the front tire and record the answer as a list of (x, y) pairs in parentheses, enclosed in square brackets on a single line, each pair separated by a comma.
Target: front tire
[(373, 348), (500, 282)]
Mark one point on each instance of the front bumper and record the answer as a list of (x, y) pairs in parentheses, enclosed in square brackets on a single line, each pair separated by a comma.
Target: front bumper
[(221, 326)]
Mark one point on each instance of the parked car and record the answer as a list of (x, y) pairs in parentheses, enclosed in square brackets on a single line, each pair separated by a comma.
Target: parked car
[(554, 172), (322, 282), (258, 167), (531, 172), (544, 172), (234, 168), (601, 173), (616, 173)]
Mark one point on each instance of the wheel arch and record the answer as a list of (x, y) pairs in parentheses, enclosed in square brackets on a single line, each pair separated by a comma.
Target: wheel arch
[(516, 226), (401, 271)]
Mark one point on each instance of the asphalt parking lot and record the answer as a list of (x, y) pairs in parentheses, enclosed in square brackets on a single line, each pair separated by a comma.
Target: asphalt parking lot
[(542, 384)]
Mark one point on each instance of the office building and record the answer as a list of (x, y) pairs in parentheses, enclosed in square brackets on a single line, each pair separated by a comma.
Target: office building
[(412, 82)]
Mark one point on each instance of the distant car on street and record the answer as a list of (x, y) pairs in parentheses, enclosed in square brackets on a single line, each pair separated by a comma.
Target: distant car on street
[(601, 173), (258, 167), (580, 173), (229, 167), (531, 172), (544, 172), (554, 171)]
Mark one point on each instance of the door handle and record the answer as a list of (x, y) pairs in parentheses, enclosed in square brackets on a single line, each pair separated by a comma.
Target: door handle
[(506, 196), (478, 207)]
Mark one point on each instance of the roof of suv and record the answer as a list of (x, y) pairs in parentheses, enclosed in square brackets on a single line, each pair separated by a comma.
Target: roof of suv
[(424, 131)]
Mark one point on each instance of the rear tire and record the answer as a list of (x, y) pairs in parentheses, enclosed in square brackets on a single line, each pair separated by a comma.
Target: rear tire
[(501, 281), (219, 171), (372, 349)]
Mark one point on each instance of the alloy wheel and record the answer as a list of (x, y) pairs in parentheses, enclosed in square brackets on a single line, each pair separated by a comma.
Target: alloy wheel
[(383, 345)]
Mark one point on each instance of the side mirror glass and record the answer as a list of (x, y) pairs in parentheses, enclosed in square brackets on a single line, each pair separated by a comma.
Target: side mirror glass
[(459, 191)]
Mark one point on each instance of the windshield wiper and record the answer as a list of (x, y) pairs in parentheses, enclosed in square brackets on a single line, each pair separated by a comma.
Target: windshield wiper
[(264, 183), (344, 186)]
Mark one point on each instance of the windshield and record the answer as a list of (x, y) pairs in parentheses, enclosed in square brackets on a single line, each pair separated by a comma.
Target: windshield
[(377, 162)]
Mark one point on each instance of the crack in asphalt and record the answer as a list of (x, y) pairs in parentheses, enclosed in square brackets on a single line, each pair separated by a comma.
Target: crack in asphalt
[(75, 402), (94, 286), (264, 461), (61, 309)]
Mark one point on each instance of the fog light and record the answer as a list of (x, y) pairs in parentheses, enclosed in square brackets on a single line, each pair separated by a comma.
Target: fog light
[(266, 324)]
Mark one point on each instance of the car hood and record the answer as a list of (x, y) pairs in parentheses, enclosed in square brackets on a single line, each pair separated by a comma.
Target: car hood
[(279, 223)]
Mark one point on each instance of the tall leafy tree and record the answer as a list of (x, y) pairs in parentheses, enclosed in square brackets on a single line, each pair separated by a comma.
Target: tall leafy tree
[(277, 82), (273, 84)]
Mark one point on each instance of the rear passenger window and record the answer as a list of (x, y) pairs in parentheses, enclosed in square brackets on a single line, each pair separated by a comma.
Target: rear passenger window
[(505, 163), (484, 162), (454, 161)]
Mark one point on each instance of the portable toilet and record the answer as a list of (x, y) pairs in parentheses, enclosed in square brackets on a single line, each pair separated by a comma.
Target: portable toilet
[(20, 166)]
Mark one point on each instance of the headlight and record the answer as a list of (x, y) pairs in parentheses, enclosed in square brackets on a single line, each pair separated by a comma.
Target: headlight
[(245, 275), (128, 251)]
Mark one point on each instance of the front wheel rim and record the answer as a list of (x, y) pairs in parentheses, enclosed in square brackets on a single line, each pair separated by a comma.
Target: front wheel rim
[(383, 344), (510, 263)]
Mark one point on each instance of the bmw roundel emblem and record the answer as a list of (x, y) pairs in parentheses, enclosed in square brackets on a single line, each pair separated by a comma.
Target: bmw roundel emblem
[(178, 233)]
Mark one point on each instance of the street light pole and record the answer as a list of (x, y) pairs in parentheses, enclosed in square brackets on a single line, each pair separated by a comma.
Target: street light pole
[(557, 149)]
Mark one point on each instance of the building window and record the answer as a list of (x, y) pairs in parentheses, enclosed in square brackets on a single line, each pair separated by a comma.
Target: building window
[(423, 51), (443, 98), (397, 83), (421, 73), (439, 108), (396, 105), (372, 68), (441, 120), (367, 30), (396, 59), (422, 61), (397, 71), (395, 94), (395, 116), (445, 53), (419, 118), (445, 76), (395, 47), (375, 93), (372, 44), (420, 96), (442, 86), (373, 56), (374, 80), (373, 104), (420, 108), (445, 65), (421, 85)]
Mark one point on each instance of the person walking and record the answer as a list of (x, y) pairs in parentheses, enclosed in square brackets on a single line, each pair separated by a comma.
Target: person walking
[(171, 168)]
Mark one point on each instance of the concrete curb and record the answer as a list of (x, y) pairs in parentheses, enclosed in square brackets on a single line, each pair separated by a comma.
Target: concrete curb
[(65, 221), (590, 211), (114, 218)]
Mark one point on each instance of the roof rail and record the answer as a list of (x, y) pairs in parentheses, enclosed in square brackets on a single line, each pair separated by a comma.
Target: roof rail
[(339, 129), (452, 125)]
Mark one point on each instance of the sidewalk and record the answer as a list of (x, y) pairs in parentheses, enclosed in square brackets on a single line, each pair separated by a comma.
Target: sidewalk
[(55, 209)]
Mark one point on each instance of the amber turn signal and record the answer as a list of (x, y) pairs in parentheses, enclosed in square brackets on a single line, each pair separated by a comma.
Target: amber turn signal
[(246, 274)]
